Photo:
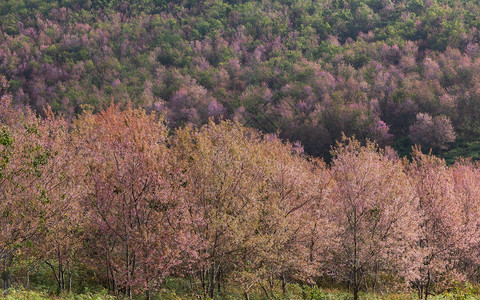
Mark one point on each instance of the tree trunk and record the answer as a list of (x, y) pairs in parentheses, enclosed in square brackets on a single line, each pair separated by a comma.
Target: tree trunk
[(56, 274), (69, 278), (132, 272), (61, 271), (6, 276), (147, 294), (355, 258), (265, 291), (27, 284), (114, 282), (219, 285), (211, 289), (375, 278), (61, 278), (355, 292), (419, 287), (312, 242), (127, 272), (427, 285)]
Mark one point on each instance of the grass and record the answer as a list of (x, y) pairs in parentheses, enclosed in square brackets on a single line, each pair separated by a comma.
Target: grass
[(177, 289), (39, 295)]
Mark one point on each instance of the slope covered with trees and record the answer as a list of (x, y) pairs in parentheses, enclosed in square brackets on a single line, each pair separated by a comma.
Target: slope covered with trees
[(398, 72), (209, 144)]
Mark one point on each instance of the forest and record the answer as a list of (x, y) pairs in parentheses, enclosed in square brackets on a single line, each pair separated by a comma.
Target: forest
[(222, 149), (117, 200), (400, 72)]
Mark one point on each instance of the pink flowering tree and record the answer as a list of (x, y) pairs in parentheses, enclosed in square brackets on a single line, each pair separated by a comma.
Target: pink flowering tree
[(372, 207), (136, 206), (432, 132), (447, 209)]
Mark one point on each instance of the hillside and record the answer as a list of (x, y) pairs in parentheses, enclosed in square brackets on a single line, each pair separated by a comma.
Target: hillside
[(398, 72), (269, 149)]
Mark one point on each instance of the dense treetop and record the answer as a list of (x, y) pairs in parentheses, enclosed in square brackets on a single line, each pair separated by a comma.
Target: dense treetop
[(399, 72)]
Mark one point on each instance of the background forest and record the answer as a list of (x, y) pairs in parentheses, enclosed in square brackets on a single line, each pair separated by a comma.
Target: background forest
[(149, 148), (398, 72)]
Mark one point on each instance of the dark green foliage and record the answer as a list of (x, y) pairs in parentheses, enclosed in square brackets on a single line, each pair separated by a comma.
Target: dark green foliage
[(463, 149)]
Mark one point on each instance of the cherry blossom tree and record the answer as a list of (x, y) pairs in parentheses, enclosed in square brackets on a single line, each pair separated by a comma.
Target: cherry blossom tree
[(33, 181), (136, 199), (372, 207), (256, 197), (446, 223), (436, 132)]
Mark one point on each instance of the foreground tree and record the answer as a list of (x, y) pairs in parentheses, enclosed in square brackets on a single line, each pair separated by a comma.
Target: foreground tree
[(63, 232), (225, 172), (448, 211), (466, 176), (289, 221), (33, 181), (136, 205), (372, 207), (255, 194)]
